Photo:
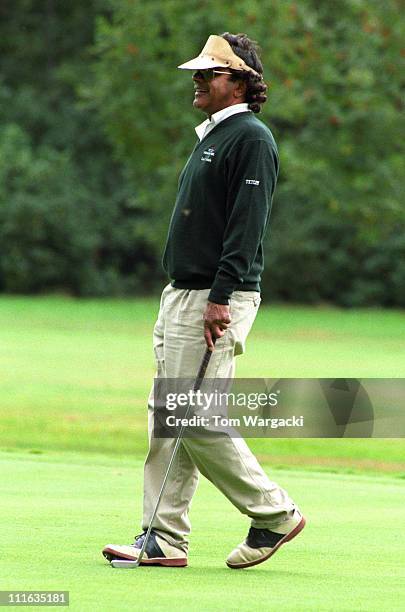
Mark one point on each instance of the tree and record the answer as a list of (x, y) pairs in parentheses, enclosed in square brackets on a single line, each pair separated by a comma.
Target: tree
[(335, 108)]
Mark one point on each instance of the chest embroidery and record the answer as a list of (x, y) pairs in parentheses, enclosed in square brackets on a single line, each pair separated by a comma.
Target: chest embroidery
[(208, 154)]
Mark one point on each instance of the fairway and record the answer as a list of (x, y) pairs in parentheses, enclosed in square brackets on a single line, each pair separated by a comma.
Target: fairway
[(74, 379), (58, 510), (75, 374)]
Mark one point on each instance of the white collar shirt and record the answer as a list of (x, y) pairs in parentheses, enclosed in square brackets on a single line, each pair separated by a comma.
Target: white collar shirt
[(206, 126)]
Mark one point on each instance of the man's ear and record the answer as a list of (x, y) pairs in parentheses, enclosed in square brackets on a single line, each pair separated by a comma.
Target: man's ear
[(240, 90)]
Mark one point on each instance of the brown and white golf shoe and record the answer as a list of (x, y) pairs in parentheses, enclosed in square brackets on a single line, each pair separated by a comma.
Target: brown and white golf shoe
[(158, 552), (261, 544)]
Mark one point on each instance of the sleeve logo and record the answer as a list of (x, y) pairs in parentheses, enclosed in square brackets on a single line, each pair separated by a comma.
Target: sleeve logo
[(252, 182)]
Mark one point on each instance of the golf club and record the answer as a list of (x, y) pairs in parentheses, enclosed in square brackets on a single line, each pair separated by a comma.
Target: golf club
[(126, 563)]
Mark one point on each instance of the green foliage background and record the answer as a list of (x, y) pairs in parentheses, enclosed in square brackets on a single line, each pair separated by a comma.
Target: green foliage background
[(96, 123)]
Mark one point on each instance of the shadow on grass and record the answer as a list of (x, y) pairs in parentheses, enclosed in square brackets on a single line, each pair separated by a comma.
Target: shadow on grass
[(212, 571)]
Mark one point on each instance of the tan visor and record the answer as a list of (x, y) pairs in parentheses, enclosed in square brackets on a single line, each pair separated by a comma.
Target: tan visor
[(217, 53)]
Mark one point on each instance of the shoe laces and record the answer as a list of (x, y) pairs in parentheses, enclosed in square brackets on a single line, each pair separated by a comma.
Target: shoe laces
[(138, 542)]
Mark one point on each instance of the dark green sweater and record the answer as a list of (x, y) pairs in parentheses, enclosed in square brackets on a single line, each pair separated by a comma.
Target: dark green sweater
[(223, 204)]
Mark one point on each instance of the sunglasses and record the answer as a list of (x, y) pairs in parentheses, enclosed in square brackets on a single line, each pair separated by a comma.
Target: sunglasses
[(209, 74)]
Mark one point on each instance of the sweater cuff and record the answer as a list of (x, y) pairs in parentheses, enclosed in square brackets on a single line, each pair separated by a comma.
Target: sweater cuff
[(222, 288), (218, 298)]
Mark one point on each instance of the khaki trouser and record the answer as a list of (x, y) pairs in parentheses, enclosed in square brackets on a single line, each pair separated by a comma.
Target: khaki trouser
[(227, 462)]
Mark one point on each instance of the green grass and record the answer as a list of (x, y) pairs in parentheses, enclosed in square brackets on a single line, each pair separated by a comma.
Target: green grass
[(58, 511), (74, 377), (75, 374)]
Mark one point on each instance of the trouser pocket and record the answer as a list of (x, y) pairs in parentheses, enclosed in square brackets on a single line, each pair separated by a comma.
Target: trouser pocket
[(243, 308)]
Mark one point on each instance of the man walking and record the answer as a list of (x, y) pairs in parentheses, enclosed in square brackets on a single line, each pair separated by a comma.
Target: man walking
[(214, 258)]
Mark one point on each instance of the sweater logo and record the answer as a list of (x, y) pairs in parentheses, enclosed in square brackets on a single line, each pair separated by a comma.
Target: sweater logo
[(208, 154), (252, 182)]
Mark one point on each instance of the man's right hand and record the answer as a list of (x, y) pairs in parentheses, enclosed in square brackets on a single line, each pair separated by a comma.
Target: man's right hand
[(216, 321)]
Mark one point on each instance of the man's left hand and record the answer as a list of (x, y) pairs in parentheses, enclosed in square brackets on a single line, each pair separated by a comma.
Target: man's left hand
[(216, 321)]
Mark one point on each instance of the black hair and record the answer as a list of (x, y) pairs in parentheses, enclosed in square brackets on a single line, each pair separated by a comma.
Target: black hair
[(248, 50)]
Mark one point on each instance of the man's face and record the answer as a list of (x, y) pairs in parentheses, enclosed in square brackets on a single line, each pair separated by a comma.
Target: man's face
[(214, 94)]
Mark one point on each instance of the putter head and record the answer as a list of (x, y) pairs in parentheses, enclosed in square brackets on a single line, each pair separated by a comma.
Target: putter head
[(124, 563)]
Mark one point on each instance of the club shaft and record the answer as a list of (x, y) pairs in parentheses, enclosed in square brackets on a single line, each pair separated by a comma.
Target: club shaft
[(197, 384)]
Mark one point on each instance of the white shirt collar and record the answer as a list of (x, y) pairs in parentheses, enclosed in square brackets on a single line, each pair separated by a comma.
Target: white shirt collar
[(206, 126)]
